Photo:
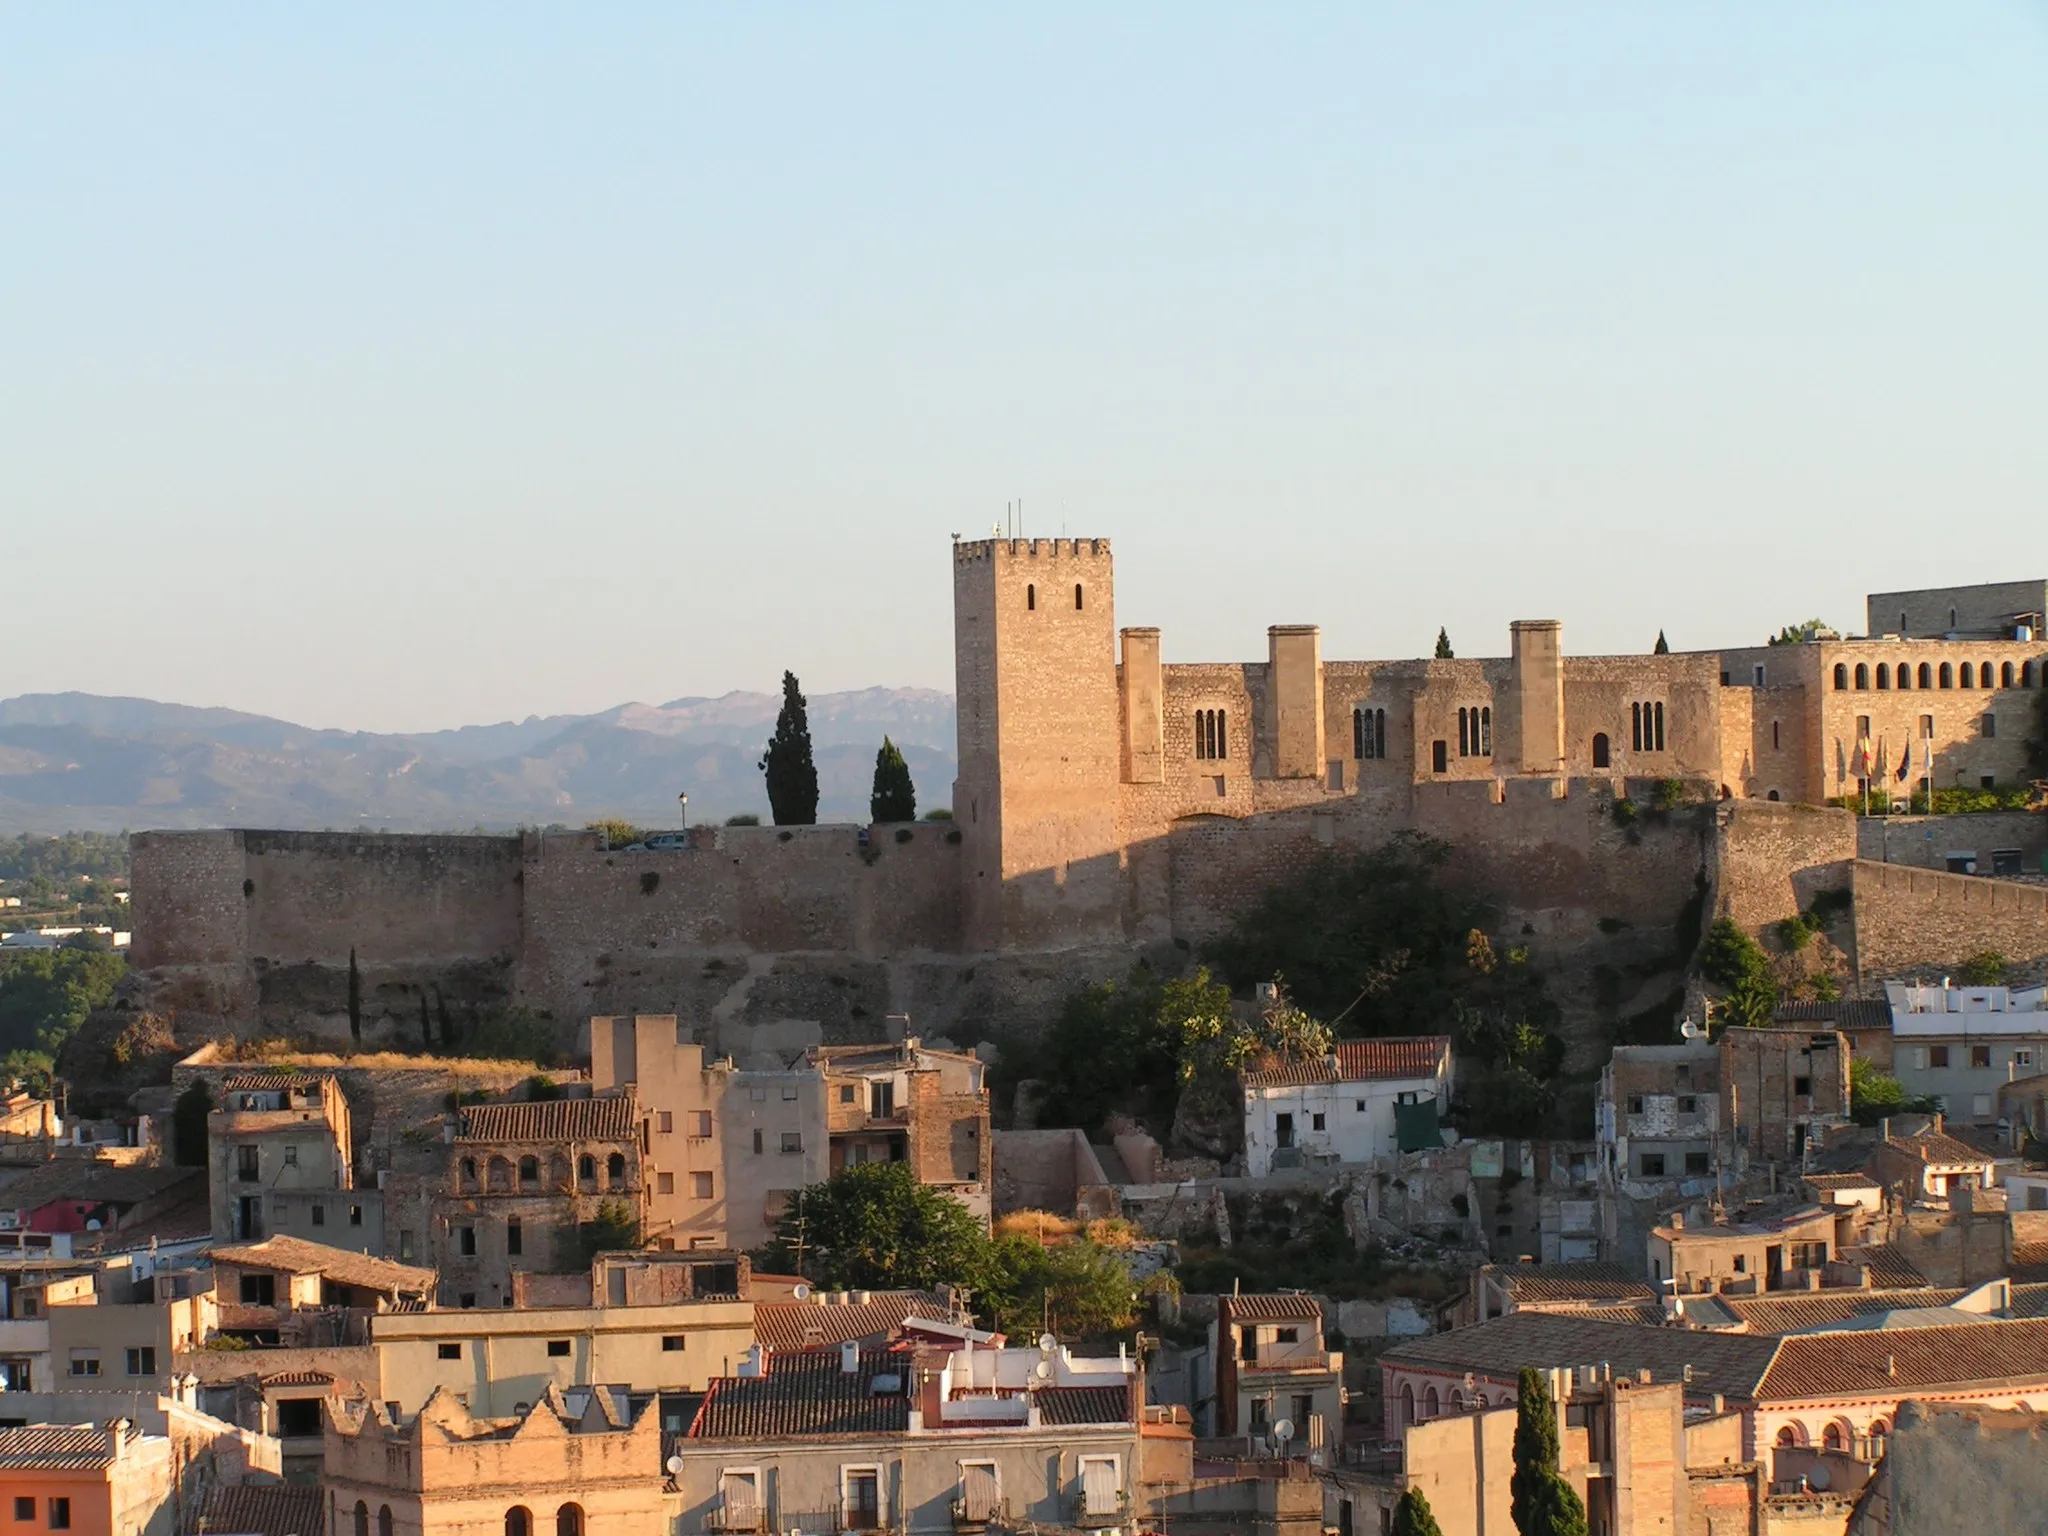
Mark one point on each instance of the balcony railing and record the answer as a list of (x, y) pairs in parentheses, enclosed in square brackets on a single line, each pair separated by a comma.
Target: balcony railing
[(1097, 1513), (737, 1515), (979, 1514)]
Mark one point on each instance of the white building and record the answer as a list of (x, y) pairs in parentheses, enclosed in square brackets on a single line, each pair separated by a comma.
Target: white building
[(1342, 1108), (1960, 1045)]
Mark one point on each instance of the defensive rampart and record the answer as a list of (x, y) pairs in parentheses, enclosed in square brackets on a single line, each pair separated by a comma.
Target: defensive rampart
[(1910, 918)]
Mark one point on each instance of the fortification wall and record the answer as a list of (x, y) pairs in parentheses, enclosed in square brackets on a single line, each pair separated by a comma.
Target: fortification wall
[(187, 899), (1924, 842), (1910, 918), (397, 900), (1771, 859)]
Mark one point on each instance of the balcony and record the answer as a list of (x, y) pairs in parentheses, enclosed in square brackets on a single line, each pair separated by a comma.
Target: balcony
[(979, 1514), (737, 1515), (1102, 1511)]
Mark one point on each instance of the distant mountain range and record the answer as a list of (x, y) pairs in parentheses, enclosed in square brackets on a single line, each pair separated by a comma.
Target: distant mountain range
[(82, 762)]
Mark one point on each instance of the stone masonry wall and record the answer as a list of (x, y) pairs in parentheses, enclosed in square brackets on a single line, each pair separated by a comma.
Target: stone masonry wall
[(1910, 918)]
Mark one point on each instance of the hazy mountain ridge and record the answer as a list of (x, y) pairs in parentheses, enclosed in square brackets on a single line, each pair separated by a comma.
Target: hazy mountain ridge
[(78, 761)]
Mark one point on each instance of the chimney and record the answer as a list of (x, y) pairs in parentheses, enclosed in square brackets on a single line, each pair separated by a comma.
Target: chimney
[(849, 1358), (1717, 1404), (1937, 1122)]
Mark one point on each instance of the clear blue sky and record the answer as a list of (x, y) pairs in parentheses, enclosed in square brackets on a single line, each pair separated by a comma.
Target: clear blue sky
[(398, 367)]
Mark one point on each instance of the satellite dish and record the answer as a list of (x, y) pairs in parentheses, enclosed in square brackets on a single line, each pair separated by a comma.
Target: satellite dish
[(1818, 1479), (1047, 1343), (1042, 1370), (1283, 1429), (800, 1291), (674, 1465)]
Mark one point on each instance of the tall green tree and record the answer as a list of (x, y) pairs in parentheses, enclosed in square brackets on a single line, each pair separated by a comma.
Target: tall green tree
[(426, 1024), (612, 1229), (874, 1226), (1662, 647), (1072, 1288), (355, 998), (1413, 1516), (787, 765), (1543, 1503), (1443, 646), (894, 798)]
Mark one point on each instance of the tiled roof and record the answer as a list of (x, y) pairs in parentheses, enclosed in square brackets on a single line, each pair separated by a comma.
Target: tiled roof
[(1085, 1405), (1361, 1061), (1890, 1270), (1820, 1365), (805, 1392), (1574, 1282), (296, 1379), (606, 1119), (267, 1082), (66, 1446), (1840, 1180), (1280, 1307), (1938, 1147), (1856, 1013), (90, 1181), (1731, 1363), (791, 1325), (261, 1509), (1820, 1309), (296, 1256), (2029, 1262), (1648, 1313)]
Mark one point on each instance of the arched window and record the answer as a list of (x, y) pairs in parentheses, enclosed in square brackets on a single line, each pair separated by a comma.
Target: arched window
[(1603, 757), (615, 1171), (1465, 733), (529, 1171), (1432, 1405), (1368, 733), (1967, 680), (1951, 618), (2026, 674), (1841, 677), (2005, 674), (1772, 795), (1787, 1439), (498, 1175), (1407, 1409), (1831, 1437), (1486, 730), (586, 1171), (1884, 676), (1879, 1433), (559, 1176), (1077, 597), (569, 1520), (362, 1518), (1948, 675), (1905, 675), (469, 1173), (1862, 677), (1457, 1399), (1211, 739), (518, 1521), (1926, 676), (1031, 597), (384, 1526), (1659, 710)]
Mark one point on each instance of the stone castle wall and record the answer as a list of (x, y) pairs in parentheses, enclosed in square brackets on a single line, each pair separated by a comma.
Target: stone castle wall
[(1910, 918)]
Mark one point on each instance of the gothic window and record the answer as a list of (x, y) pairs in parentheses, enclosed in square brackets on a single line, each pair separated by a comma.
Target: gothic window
[(1948, 675), (1862, 677), (1635, 727), (1212, 742), (1967, 679), (615, 1171), (1031, 597), (1841, 677), (1486, 730), (384, 1523), (362, 1518), (1884, 676), (1926, 676), (1602, 756), (586, 1171), (558, 1173), (498, 1176), (1077, 597), (1475, 732), (2005, 675), (1646, 727)]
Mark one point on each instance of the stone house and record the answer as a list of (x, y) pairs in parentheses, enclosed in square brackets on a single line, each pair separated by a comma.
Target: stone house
[(1657, 1115), (1929, 1165), (1273, 1367), (1366, 1099), (1784, 1250), (913, 1441), (908, 1102), (523, 1179), (580, 1463), (1781, 1089), (285, 1292), (279, 1149)]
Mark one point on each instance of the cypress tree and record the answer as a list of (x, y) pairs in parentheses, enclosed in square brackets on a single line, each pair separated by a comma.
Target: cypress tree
[(355, 998), (1413, 1517), (1443, 646), (441, 1013), (426, 1024), (894, 797), (787, 766), (1543, 1503), (1662, 647)]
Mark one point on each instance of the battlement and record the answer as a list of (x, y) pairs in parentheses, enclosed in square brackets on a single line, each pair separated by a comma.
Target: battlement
[(970, 551)]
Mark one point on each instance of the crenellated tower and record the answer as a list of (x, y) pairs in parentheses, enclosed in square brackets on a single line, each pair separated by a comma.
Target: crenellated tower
[(1041, 741)]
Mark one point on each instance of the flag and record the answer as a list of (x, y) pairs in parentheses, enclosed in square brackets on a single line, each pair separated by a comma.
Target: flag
[(1841, 762), (1863, 757), (1905, 763)]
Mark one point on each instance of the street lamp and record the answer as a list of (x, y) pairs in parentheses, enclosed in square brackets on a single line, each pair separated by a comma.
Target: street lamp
[(683, 808)]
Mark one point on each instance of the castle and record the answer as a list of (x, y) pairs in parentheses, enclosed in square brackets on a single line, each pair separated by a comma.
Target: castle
[(1081, 751), (1109, 802)]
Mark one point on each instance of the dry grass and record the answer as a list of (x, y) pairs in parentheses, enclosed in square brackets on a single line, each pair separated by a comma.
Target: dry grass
[(1112, 1232), (287, 1053), (1043, 1225)]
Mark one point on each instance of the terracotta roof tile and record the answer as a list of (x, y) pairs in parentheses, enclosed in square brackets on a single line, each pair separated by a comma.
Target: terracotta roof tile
[(1840, 1180), (268, 1082), (1890, 1270), (1276, 1307), (1820, 1365), (261, 1509), (1085, 1405), (1798, 1313), (1361, 1061), (65, 1446), (793, 1325), (296, 1256), (1590, 1281), (2029, 1262), (1852, 1013), (1730, 1363), (1938, 1148), (805, 1392), (605, 1119)]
